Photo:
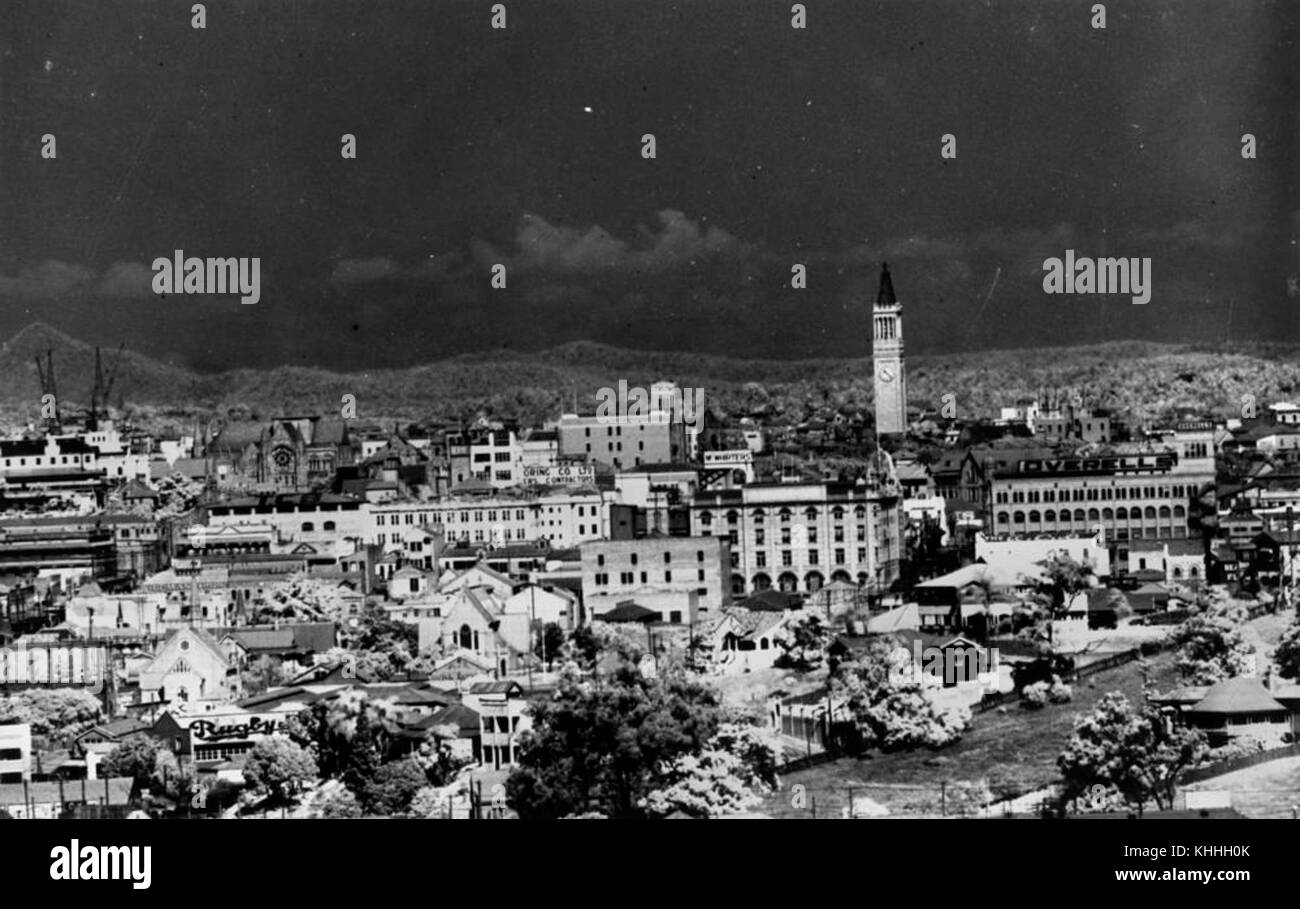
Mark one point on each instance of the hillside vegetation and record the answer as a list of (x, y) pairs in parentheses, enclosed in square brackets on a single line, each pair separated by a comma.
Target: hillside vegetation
[(1132, 378)]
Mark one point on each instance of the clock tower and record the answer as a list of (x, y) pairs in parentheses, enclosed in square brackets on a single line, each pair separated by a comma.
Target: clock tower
[(887, 359)]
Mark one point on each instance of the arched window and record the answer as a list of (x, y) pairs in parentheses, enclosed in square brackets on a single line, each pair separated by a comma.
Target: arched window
[(1003, 517), (1149, 513), (328, 525), (1079, 516), (759, 515), (1164, 512), (1094, 514), (810, 514), (1018, 517), (1180, 511), (1035, 518), (784, 515), (1107, 514), (1121, 514), (466, 638), (308, 526), (1049, 516), (732, 517), (706, 518), (837, 513)]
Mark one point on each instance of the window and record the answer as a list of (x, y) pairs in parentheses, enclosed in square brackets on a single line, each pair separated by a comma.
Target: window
[(600, 559), (668, 576), (668, 557), (308, 526), (700, 574)]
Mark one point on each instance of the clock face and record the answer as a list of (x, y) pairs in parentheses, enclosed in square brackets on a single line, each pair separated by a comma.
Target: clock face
[(886, 374)]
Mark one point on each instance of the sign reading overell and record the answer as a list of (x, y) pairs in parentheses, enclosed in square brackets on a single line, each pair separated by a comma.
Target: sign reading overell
[(1078, 466)]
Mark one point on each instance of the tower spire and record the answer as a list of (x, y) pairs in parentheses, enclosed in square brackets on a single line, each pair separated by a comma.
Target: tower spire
[(886, 296)]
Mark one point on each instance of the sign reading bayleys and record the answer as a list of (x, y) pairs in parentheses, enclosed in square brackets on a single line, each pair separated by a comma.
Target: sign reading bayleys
[(1079, 466), (208, 731), (662, 403)]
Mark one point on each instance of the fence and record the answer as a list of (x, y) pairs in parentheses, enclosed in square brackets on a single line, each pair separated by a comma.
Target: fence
[(1218, 769)]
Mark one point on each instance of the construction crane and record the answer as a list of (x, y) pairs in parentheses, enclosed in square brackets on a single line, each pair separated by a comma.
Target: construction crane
[(53, 422), (103, 387)]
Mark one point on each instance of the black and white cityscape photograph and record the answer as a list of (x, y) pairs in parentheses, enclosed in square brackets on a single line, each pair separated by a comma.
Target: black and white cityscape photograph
[(649, 409)]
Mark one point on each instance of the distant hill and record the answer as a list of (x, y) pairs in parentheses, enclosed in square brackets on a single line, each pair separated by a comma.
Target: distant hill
[(1125, 376)]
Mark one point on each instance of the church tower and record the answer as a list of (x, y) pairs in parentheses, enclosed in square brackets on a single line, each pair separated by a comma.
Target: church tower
[(887, 359)]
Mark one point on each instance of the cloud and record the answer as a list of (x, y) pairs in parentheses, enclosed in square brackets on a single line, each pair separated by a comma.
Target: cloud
[(352, 272), (49, 279), (364, 271), (127, 279), (675, 244)]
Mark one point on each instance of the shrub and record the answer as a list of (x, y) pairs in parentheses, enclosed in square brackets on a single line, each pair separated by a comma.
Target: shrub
[(1059, 692), (1034, 697)]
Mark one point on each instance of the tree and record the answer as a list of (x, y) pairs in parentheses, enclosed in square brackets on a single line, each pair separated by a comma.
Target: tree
[(730, 775), (606, 744), (1287, 654), (430, 802), (177, 495), (1130, 749), (334, 800), (260, 675), (549, 643), (1062, 579), (348, 735), (892, 709), (301, 596), (1210, 649), (61, 713), (280, 766), (394, 785), (803, 642), (136, 757)]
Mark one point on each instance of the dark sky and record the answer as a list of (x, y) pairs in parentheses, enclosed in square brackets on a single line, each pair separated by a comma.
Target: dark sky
[(775, 146)]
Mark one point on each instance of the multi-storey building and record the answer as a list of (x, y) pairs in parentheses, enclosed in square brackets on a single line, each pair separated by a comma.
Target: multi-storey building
[(491, 455), (561, 518), (682, 578), (627, 443), (302, 517), (1141, 495), (798, 537)]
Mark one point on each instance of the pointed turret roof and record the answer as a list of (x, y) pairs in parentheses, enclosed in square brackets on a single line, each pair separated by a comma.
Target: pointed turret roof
[(886, 296)]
